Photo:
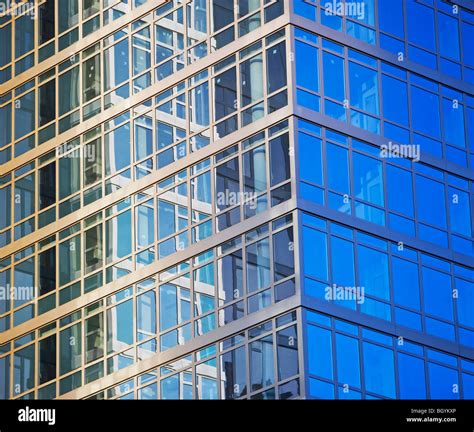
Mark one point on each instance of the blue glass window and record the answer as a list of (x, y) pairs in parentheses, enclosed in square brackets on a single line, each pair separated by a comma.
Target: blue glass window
[(333, 67), (379, 370), (342, 253), (395, 102), (425, 112), (405, 283), (337, 168), (411, 377), (368, 181), (373, 272), (307, 66), (399, 180), (320, 352), (421, 25), (453, 123), (364, 90), (438, 294), (443, 382), (315, 253), (310, 158), (391, 17), (459, 211), (448, 36), (465, 302), (430, 201), (347, 351)]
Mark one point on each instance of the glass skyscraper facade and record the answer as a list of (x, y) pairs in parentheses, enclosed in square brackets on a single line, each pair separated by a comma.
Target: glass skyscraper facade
[(236, 199)]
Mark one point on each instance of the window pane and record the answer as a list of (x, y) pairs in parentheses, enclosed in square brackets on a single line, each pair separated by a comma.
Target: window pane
[(315, 253), (333, 76), (47, 359), (258, 265), (117, 149), (405, 283), (146, 315), (307, 66), (251, 80), (225, 93), (47, 271), (283, 255), (421, 25), (116, 65), (227, 184), (91, 78), (67, 14), (69, 174), (337, 168), (118, 233), (276, 67), (347, 351), (364, 90), (411, 373), (230, 277), (368, 181), (287, 353), (395, 105), (261, 363), (24, 370), (120, 327), (279, 159), (233, 373), (443, 382), (175, 305), (342, 252), (93, 249), (438, 294), (320, 352), (425, 112), (94, 329), (254, 170), (69, 260), (47, 103), (71, 349), (373, 272), (379, 370), (399, 180), (222, 13), (25, 114), (430, 201), (47, 186)]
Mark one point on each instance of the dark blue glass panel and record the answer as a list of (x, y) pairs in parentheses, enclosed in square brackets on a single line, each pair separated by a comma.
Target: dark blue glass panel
[(405, 283), (379, 370), (320, 352), (438, 295), (347, 351), (307, 66), (411, 377)]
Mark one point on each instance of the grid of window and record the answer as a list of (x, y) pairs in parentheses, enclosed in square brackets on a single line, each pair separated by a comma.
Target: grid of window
[(346, 361), (247, 365), (150, 137), (387, 280), (123, 64), (383, 99), (164, 218), (32, 33), (237, 278), (433, 33), (409, 197)]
